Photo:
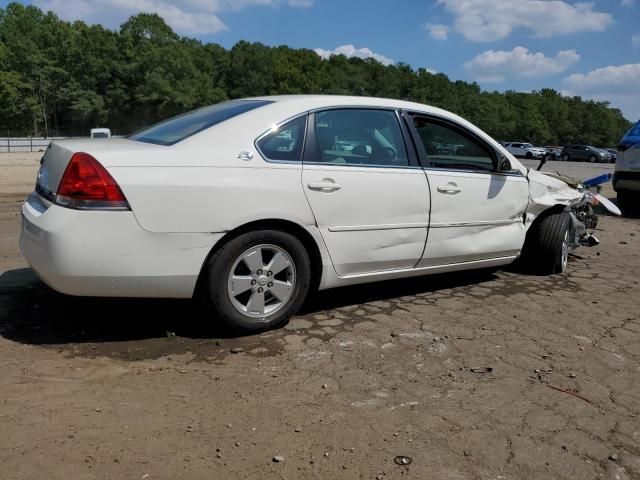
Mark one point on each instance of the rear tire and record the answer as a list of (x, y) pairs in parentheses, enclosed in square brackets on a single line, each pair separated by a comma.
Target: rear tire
[(243, 292), (593, 159), (546, 248), (565, 158)]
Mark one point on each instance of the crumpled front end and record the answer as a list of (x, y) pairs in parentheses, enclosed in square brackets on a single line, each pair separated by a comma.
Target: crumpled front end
[(547, 191)]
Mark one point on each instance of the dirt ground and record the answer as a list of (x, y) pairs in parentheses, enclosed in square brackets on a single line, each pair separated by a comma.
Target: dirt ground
[(471, 376)]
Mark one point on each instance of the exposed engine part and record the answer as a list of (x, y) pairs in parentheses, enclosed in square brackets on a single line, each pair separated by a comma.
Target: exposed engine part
[(584, 213)]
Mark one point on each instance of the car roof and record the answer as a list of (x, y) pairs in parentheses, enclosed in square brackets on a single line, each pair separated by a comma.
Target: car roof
[(283, 107), (312, 102)]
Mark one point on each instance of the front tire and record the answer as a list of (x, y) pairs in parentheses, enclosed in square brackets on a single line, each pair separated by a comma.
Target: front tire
[(257, 280), (546, 249), (565, 158), (593, 159)]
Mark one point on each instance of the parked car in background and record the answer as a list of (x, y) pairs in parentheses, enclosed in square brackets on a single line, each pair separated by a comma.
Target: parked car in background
[(626, 177), (614, 154), (299, 193), (525, 150), (100, 133), (585, 153), (554, 152)]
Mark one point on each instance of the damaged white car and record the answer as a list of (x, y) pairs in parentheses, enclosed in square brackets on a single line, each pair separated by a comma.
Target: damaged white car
[(251, 204)]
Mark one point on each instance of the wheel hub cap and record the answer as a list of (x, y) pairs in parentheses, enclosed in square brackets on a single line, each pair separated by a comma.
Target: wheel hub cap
[(261, 281)]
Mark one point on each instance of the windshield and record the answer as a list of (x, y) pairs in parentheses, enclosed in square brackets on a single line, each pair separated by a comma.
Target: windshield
[(178, 128)]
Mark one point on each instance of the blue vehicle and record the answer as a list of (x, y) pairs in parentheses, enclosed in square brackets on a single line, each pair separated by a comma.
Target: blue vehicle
[(626, 178)]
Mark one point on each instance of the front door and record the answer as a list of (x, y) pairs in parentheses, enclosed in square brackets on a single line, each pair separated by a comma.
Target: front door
[(476, 210), (369, 197)]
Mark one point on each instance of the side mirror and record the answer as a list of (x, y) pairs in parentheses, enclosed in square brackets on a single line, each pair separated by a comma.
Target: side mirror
[(505, 165)]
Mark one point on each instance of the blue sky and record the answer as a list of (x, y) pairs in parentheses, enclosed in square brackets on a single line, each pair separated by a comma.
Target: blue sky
[(590, 49)]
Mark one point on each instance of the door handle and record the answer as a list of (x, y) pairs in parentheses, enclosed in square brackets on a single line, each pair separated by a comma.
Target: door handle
[(449, 189), (324, 185)]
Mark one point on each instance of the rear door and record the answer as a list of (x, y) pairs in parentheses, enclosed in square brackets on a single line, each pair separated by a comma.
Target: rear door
[(368, 194), (476, 209)]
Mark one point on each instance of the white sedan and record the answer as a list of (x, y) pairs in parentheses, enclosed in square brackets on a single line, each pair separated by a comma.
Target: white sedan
[(525, 150), (251, 204)]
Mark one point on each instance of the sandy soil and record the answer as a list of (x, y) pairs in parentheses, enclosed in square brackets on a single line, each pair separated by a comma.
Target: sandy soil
[(472, 376)]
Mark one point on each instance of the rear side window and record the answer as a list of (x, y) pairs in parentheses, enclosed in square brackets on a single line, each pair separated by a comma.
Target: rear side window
[(183, 126), (286, 142)]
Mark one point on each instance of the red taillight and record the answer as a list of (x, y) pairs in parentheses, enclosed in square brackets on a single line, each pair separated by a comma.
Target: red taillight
[(87, 185)]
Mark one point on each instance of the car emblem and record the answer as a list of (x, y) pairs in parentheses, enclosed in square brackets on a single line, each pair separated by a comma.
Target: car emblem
[(245, 155)]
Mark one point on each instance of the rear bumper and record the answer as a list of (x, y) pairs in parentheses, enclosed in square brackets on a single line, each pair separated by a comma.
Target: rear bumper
[(626, 181), (107, 254)]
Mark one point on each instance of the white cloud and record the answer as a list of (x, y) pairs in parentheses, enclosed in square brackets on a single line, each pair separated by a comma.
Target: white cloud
[(617, 84), (627, 3), (189, 17), (635, 40), (489, 20), (612, 79), (437, 31), (496, 66), (351, 51)]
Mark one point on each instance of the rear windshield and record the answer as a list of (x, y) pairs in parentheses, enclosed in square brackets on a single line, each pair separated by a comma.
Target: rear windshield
[(178, 128)]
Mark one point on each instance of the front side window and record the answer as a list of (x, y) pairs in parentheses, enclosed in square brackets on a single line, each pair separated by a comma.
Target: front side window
[(360, 137), (286, 142), (449, 148), (178, 128)]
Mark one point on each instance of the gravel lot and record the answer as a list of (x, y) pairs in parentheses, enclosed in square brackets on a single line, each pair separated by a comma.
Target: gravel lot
[(472, 376)]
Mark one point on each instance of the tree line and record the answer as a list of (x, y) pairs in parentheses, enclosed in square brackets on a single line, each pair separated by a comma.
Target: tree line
[(62, 78)]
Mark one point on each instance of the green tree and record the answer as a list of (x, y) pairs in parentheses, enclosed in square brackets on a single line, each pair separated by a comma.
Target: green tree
[(61, 77)]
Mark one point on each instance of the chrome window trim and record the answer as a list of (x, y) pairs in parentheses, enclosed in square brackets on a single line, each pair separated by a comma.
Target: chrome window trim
[(479, 172), (362, 165)]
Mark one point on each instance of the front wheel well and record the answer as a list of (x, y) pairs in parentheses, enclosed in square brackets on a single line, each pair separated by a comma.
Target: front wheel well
[(549, 211), (286, 226)]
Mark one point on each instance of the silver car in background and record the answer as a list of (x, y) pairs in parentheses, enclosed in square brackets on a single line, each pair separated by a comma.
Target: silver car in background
[(525, 150)]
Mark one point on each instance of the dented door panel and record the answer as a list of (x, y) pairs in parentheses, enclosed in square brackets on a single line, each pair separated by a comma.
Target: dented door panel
[(482, 217), (375, 221)]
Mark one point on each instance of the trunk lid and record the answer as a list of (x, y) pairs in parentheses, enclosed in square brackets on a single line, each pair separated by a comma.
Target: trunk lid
[(56, 158)]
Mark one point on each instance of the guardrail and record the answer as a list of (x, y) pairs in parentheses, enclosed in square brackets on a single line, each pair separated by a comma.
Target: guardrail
[(25, 144)]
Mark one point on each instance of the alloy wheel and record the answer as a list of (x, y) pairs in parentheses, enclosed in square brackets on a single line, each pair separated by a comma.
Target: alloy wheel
[(261, 281)]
